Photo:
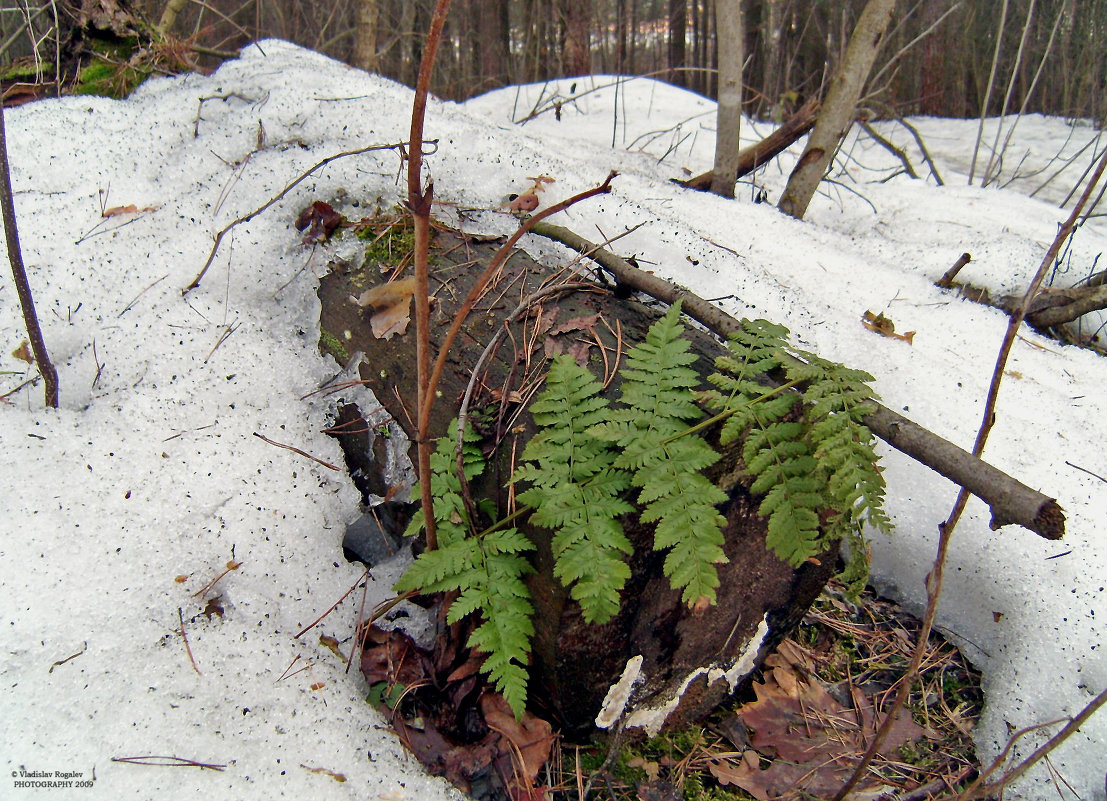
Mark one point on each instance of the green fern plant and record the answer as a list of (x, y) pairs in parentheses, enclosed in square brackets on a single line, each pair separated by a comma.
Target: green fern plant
[(805, 448)]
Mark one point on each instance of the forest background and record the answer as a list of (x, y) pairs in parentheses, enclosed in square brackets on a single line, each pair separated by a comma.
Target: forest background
[(938, 59)]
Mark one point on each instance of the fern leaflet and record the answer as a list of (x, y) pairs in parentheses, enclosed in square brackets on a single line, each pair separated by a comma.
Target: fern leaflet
[(817, 467), (839, 398), (652, 431), (574, 489)]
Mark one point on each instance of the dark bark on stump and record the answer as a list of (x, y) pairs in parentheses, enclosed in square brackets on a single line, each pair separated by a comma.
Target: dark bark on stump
[(760, 598)]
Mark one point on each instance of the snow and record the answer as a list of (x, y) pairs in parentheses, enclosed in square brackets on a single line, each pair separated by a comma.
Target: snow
[(150, 470)]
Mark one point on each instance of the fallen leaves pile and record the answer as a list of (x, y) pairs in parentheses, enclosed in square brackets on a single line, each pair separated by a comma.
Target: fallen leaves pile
[(816, 704)]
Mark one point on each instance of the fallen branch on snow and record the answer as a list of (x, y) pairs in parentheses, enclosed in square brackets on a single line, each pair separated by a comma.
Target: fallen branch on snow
[(1009, 500)]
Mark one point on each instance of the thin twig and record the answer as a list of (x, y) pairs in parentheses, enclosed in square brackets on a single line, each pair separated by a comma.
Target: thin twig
[(134, 300), (295, 450), (334, 606), (231, 565), (19, 273), (167, 762), (978, 790), (946, 281), (223, 337), (247, 217), (188, 648)]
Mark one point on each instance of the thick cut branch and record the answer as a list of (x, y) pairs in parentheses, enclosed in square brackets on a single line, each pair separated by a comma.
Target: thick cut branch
[(752, 157), (1010, 500)]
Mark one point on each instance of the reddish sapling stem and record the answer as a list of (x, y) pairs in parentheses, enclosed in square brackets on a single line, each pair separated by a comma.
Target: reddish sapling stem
[(419, 201)]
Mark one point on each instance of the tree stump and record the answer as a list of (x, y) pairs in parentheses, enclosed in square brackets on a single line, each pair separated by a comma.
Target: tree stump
[(690, 659)]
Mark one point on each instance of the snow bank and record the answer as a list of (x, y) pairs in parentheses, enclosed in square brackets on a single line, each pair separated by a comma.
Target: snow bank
[(150, 470)]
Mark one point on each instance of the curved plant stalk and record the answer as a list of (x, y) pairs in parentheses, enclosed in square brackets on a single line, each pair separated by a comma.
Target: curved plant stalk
[(482, 282), (19, 274), (419, 202)]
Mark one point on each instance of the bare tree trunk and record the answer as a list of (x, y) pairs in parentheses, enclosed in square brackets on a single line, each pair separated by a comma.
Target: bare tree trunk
[(731, 35), (838, 108), (621, 37), (366, 27), (755, 155), (988, 90), (771, 30), (577, 53), (493, 43), (678, 31), (633, 36), (407, 42)]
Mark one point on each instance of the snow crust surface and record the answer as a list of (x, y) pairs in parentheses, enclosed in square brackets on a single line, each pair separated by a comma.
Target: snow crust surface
[(151, 470)]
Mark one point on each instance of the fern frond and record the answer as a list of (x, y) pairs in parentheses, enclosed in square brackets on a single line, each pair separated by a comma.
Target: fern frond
[(487, 571), (776, 451), (652, 432), (839, 399), (504, 602), (818, 474), (574, 490)]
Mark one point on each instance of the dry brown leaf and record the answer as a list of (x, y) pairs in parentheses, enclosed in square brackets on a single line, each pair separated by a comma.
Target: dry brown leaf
[(389, 294), (526, 202), (745, 774), (393, 304), (23, 352), (318, 221), (880, 324), (582, 323), (331, 644), (464, 671), (116, 211), (533, 736), (813, 739), (392, 320)]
